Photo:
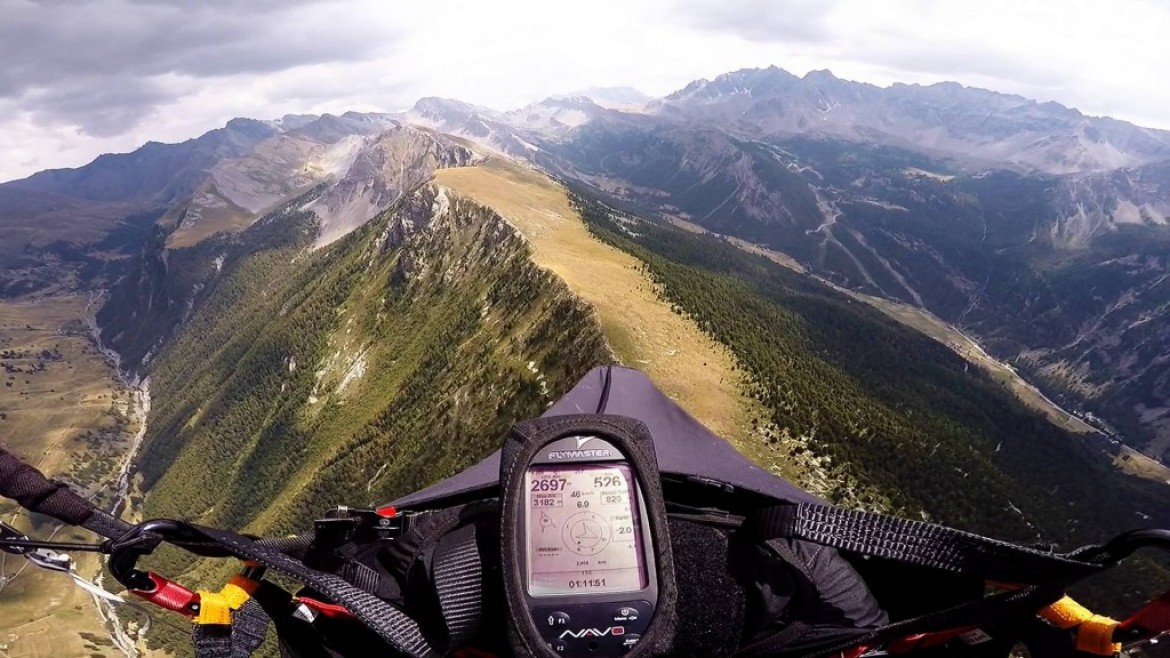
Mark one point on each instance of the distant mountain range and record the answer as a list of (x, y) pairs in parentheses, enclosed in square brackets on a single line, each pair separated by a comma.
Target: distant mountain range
[(1040, 230)]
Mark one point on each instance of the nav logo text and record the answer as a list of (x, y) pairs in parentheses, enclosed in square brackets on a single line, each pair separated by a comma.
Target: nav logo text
[(594, 632)]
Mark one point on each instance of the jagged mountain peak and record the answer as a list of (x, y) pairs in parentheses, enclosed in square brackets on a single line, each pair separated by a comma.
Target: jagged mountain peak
[(330, 128), (744, 81), (294, 121), (615, 98), (246, 125), (577, 100), (444, 109), (820, 75), (380, 173), (966, 124), (154, 173), (556, 114)]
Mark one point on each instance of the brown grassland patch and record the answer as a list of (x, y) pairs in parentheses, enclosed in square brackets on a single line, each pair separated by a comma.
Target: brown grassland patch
[(1135, 463), (45, 415)]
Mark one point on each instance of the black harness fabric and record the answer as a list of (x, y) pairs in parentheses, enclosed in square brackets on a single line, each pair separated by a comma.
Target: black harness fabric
[(390, 623), (239, 640), (34, 492)]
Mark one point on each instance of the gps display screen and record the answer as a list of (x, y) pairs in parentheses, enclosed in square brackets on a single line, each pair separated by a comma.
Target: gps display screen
[(584, 530)]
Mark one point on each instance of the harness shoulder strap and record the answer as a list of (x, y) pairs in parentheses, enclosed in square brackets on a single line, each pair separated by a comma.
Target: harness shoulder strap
[(928, 545), (458, 577)]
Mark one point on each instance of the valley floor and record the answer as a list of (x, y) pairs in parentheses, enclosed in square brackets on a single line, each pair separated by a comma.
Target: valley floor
[(63, 408)]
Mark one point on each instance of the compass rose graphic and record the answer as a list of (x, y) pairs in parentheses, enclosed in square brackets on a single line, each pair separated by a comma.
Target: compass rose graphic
[(586, 533)]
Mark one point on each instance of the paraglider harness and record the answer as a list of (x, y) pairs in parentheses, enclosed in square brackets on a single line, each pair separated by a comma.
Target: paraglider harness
[(743, 563)]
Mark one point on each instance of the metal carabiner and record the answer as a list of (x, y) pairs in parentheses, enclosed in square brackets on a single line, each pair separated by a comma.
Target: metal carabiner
[(141, 540)]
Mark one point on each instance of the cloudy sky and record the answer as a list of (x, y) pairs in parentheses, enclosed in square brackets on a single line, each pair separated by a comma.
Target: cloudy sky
[(83, 77)]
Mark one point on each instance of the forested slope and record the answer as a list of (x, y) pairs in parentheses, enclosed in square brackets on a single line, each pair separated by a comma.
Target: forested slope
[(900, 419), (360, 372)]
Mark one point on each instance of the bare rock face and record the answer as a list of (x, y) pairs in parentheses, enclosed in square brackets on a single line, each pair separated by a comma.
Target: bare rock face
[(362, 163), (310, 151), (384, 170), (1093, 205), (281, 167)]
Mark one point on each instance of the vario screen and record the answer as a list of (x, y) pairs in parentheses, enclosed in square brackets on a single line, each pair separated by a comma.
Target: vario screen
[(584, 530), (582, 546)]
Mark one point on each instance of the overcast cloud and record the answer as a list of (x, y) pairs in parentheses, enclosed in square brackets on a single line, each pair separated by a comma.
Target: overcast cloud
[(83, 77)]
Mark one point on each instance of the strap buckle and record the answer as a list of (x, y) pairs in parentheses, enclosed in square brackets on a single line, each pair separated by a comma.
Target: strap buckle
[(343, 524), (17, 543)]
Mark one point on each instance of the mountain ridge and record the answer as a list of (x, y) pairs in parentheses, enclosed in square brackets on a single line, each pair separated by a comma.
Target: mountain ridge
[(354, 369), (868, 208), (767, 79), (774, 102)]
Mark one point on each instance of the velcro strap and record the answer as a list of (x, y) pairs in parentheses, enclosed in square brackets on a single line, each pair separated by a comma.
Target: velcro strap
[(1094, 632), (1095, 635), (1066, 613), (235, 594)]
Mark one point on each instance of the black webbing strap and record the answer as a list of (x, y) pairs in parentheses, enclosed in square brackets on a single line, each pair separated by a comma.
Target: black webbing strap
[(239, 640), (458, 577), (390, 623), (249, 626), (34, 492), (212, 641), (927, 545), (37, 493)]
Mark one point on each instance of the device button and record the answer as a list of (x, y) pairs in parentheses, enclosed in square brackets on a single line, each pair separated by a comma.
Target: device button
[(626, 613), (559, 646), (557, 619), (628, 641)]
